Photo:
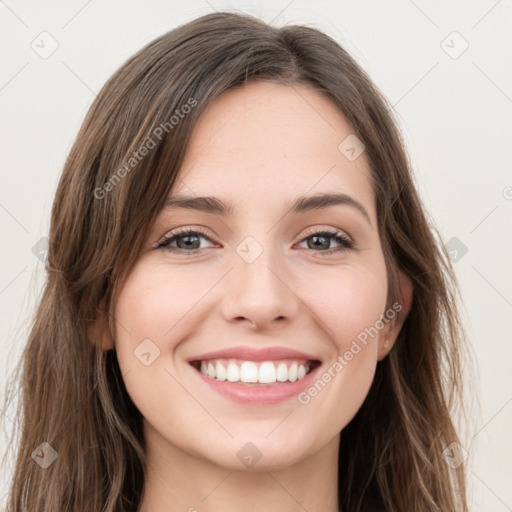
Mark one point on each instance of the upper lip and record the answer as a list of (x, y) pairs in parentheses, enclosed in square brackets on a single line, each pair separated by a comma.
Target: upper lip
[(254, 354)]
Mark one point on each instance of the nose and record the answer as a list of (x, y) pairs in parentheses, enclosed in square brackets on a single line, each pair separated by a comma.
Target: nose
[(259, 293)]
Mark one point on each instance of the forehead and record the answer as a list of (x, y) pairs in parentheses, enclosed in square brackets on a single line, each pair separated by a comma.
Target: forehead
[(267, 142)]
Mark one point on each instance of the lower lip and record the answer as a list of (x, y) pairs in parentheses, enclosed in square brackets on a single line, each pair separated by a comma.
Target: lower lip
[(259, 394)]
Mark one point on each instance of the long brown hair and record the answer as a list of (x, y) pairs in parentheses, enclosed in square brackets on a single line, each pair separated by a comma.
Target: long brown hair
[(72, 392)]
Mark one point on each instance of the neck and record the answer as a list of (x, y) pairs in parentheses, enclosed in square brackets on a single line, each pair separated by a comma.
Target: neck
[(177, 480)]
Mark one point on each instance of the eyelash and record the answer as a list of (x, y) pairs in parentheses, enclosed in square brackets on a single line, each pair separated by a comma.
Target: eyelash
[(338, 236)]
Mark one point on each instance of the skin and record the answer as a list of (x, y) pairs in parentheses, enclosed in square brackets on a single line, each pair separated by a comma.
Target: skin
[(258, 147)]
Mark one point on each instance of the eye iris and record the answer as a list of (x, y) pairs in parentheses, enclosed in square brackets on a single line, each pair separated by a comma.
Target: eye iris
[(325, 245), (187, 241)]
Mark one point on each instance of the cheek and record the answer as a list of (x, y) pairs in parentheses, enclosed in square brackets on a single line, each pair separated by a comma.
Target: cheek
[(348, 302), (156, 310), (360, 309), (350, 308), (151, 319), (156, 303)]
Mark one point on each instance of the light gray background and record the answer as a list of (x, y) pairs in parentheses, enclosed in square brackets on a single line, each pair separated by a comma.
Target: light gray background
[(454, 110)]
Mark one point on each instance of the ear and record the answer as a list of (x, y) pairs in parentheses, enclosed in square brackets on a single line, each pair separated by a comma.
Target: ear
[(99, 333), (390, 333)]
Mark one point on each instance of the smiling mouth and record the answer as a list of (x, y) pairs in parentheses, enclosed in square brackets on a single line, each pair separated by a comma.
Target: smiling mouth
[(244, 372)]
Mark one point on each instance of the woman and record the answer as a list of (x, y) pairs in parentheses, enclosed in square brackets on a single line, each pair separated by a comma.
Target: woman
[(246, 307)]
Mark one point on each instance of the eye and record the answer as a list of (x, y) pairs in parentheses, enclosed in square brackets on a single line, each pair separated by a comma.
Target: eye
[(321, 239), (186, 240), (189, 241)]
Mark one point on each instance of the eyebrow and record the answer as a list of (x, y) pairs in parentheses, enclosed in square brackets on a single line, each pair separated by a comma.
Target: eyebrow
[(301, 204)]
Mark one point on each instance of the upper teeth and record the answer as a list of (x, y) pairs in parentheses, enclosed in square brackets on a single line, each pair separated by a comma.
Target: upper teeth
[(268, 372)]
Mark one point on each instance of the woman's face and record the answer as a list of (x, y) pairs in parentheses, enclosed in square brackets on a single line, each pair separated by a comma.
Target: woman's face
[(259, 293)]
